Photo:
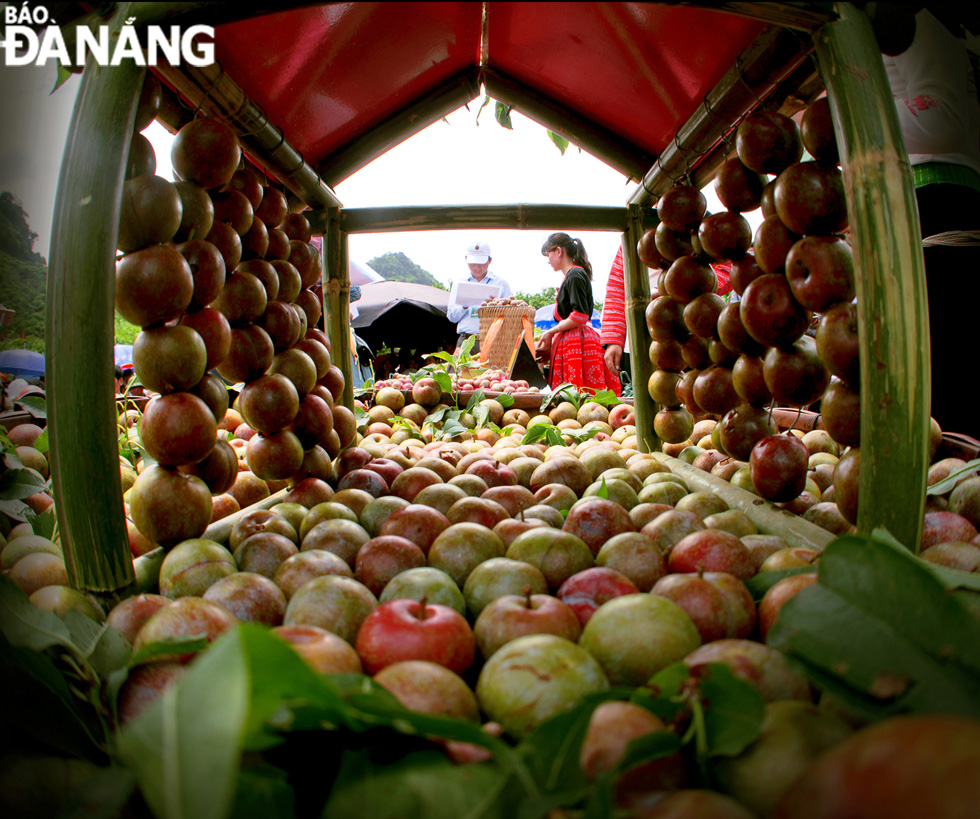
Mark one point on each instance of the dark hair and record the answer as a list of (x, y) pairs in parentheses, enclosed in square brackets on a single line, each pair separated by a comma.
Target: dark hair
[(119, 372), (573, 247)]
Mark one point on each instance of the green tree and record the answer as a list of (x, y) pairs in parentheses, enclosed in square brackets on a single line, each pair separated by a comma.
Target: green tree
[(397, 267), (23, 275), (16, 237), (540, 299), (125, 333)]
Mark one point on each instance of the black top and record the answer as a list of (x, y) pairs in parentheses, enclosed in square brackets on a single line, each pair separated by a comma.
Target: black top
[(575, 294)]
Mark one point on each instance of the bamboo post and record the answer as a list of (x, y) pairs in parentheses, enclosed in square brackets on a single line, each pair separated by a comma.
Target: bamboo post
[(893, 326), (636, 285), (336, 298), (79, 306), (520, 216)]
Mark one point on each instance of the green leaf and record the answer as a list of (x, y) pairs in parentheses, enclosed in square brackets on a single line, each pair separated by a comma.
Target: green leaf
[(856, 633), (606, 398), (444, 380), (188, 644), (451, 429), (34, 404), (484, 104), (423, 785), (733, 709), (552, 751), (646, 748), (62, 76), (17, 484), (553, 436), (38, 703), (103, 795), (465, 352), (17, 510), (947, 483), (475, 399), (603, 491), (185, 748), (41, 442), (579, 435), (560, 142), (27, 626), (502, 113), (104, 648), (263, 793), (759, 584), (506, 400), (535, 433), (480, 414), (44, 523)]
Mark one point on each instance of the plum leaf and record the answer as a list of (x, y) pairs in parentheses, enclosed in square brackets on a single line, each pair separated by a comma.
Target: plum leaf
[(881, 631)]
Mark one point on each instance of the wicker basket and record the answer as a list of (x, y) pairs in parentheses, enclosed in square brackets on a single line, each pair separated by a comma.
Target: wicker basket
[(503, 345)]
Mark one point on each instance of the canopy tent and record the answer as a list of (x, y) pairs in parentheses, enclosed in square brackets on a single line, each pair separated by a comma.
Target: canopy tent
[(25, 363), (404, 314), (544, 317), (362, 274)]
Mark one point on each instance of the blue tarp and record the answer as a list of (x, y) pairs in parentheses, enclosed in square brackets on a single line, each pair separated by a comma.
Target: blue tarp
[(25, 363), (544, 317)]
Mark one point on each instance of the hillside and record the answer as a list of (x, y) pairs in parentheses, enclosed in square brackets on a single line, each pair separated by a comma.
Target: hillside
[(397, 267), (23, 275)]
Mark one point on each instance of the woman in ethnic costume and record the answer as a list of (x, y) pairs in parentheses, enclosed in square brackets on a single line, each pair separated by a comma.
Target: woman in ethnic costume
[(573, 344)]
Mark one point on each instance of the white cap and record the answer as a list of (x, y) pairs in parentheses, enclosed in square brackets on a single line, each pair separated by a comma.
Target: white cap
[(478, 253)]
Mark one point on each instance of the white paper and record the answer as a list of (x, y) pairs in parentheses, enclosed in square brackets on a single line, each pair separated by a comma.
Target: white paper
[(469, 294)]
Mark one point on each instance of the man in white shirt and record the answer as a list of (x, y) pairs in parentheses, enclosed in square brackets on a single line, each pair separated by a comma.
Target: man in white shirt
[(467, 318)]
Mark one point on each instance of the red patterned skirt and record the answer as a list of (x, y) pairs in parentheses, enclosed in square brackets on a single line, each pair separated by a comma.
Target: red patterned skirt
[(577, 358)]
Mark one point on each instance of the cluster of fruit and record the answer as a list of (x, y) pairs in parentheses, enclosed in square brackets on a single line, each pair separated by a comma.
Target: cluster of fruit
[(506, 301), (218, 274), (491, 380), (745, 355), (490, 579)]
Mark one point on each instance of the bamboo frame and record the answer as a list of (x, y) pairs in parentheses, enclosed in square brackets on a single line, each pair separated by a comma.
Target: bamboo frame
[(636, 292), (336, 298), (770, 58), (507, 217), (79, 304), (220, 96), (791, 95), (893, 323), (803, 16)]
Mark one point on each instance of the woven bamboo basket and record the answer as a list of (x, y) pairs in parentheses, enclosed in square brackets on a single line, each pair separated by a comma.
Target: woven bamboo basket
[(498, 355)]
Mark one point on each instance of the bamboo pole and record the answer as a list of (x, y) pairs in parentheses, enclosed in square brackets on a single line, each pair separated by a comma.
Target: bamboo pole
[(636, 287), (556, 116), (336, 298), (767, 517), (790, 96), (771, 57), (218, 95), (507, 217), (79, 328), (802, 16), (893, 330)]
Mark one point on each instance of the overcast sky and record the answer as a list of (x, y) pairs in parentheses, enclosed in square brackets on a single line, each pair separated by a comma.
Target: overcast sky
[(449, 163)]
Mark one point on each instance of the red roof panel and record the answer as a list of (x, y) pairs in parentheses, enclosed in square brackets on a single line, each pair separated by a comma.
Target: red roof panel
[(639, 69), (328, 74)]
